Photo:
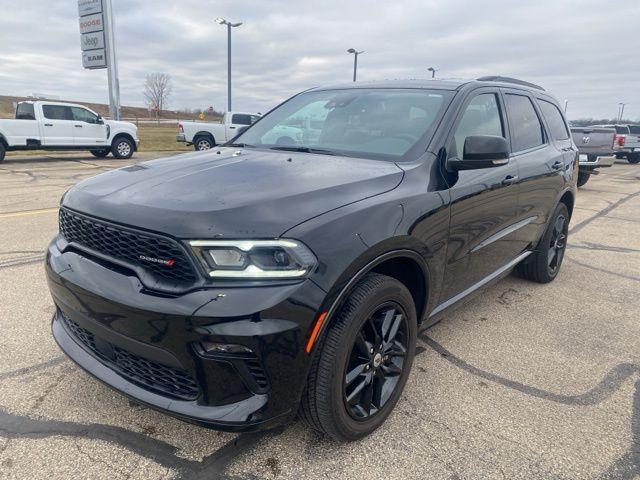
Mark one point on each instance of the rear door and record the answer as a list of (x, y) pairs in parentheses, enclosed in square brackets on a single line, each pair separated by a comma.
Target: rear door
[(542, 163), (57, 125), (483, 201), (87, 131)]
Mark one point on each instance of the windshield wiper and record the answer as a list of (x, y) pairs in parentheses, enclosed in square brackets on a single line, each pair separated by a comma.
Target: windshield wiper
[(319, 151), (238, 145)]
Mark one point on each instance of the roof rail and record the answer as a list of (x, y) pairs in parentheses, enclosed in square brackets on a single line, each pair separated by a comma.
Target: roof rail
[(498, 78)]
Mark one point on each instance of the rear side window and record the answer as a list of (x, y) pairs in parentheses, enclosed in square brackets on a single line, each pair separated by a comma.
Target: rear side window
[(525, 126), (241, 119), (635, 129), (25, 112), (622, 130), (57, 112), (554, 120), (481, 117)]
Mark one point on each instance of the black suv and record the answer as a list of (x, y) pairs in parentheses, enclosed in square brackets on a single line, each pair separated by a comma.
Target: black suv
[(290, 270)]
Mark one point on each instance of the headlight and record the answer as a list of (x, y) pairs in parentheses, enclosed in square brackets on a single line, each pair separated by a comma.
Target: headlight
[(254, 259)]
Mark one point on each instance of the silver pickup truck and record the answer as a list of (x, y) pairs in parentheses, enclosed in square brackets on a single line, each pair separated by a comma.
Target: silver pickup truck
[(596, 149), (627, 144)]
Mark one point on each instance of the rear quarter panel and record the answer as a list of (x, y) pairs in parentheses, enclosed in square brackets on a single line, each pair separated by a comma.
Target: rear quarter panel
[(16, 132)]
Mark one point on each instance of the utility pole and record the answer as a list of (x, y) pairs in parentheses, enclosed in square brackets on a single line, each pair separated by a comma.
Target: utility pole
[(229, 26), (355, 61), (621, 110)]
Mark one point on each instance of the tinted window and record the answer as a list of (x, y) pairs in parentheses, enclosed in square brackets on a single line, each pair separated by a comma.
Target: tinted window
[(25, 112), (554, 120), (241, 119), (481, 117), (84, 115), (57, 112), (525, 126), (364, 122), (635, 129), (620, 130)]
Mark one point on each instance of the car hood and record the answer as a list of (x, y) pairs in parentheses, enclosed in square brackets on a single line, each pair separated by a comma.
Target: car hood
[(233, 194)]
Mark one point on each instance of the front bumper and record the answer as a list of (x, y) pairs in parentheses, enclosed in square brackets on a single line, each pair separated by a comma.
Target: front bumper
[(596, 161), (148, 346)]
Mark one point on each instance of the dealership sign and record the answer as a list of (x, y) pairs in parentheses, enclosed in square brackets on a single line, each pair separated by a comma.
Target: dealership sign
[(89, 7), (92, 42)]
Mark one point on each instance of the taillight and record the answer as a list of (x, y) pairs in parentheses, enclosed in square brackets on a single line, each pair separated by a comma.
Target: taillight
[(180, 128), (621, 140)]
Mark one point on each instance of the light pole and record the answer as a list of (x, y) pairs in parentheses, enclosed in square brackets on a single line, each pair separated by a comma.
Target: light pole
[(621, 110), (433, 72), (355, 61), (229, 25)]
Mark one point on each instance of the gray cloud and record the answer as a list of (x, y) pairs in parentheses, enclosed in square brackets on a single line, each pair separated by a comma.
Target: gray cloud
[(584, 50)]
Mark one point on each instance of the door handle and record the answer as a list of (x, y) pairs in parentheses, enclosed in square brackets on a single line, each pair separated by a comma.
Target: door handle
[(78, 126), (232, 128), (558, 165), (510, 179), (48, 124)]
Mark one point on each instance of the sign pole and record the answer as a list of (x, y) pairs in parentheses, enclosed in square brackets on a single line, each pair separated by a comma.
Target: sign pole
[(112, 62)]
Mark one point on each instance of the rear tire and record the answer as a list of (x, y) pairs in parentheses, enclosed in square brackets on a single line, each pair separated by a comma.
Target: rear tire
[(100, 153), (122, 148), (3, 151), (360, 369), (634, 158), (583, 177), (544, 263), (203, 143)]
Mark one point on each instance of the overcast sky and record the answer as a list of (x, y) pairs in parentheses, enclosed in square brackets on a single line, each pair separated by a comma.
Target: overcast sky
[(584, 51)]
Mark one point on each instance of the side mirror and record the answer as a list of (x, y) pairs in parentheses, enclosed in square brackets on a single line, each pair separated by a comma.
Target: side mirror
[(100, 120), (481, 151)]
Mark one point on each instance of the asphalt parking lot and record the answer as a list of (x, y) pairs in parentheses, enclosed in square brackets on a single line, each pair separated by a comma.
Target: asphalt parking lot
[(524, 381)]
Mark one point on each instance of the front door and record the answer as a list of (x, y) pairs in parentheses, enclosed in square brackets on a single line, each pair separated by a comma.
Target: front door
[(58, 125), (87, 131), (483, 201)]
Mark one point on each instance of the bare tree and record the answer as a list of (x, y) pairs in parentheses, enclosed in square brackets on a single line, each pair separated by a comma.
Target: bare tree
[(157, 90)]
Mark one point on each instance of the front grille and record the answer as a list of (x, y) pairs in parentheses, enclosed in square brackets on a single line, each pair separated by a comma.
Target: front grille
[(151, 375), (129, 246)]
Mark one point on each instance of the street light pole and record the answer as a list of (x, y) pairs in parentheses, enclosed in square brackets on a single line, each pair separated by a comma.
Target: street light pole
[(433, 72), (621, 109), (229, 26), (355, 61)]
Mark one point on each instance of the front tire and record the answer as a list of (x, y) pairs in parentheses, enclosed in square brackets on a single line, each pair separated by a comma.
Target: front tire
[(583, 177), (122, 148), (203, 143), (544, 263), (100, 153), (360, 369), (3, 151), (633, 158)]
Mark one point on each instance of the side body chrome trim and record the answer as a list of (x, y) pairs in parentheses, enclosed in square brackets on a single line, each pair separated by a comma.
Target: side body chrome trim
[(504, 232), (479, 284)]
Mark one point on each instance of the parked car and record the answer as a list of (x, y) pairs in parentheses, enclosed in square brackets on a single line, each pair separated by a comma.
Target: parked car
[(627, 144), (239, 286), (45, 125), (204, 136), (595, 146)]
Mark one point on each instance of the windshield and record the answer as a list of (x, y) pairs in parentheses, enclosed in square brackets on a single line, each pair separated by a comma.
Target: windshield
[(369, 123)]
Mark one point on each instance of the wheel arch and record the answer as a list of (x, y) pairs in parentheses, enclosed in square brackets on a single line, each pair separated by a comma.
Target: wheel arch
[(568, 199), (3, 141), (204, 133), (405, 265)]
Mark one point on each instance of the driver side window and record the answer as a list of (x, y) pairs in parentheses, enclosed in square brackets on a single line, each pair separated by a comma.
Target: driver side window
[(83, 115), (481, 117)]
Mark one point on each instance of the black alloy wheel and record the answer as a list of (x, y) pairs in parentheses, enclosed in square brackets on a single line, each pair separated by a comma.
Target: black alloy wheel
[(557, 244), (362, 363), (376, 361)]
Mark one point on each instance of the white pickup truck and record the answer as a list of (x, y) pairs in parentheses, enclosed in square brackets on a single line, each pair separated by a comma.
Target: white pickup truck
[(46, 125), (204, 136)]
